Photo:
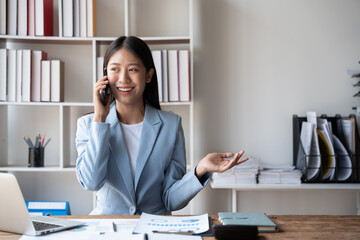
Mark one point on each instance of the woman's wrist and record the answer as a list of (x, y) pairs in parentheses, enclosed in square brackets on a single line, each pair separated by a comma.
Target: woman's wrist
[(99, 118), (200, 170)]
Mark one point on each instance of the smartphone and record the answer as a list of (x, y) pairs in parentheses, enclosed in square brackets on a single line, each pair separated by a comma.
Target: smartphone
[(106, 91)]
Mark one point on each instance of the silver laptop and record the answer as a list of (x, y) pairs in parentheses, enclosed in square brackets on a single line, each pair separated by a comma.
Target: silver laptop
[(15, 217)]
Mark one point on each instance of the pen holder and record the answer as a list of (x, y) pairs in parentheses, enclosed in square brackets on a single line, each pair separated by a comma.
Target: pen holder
[(36, 157)]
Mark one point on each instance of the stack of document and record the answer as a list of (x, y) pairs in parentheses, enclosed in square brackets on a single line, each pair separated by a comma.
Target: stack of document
[(323, 155), (245, 173), (280, 175)]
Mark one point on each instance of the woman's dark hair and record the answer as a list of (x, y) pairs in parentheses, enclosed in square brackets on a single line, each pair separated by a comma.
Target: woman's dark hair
[(143, 52)]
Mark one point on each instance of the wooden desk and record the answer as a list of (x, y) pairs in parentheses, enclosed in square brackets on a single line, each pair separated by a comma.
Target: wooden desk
[(291, 227)]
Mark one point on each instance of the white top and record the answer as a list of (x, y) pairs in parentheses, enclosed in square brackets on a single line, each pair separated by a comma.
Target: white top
[(132, 135)]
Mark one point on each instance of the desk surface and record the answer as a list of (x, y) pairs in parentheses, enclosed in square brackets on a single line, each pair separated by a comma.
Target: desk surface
[(291, 227)]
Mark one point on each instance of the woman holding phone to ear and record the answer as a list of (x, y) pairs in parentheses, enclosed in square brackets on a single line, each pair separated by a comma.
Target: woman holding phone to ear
[(129, 150)]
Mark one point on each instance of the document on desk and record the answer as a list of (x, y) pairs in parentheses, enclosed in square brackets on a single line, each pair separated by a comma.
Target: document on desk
[(149, 223)]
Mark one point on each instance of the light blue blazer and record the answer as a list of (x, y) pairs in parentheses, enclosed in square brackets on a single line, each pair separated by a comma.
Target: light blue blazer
[(160, 184)]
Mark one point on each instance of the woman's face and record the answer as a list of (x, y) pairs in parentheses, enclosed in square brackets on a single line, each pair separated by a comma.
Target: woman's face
[(127, 77)]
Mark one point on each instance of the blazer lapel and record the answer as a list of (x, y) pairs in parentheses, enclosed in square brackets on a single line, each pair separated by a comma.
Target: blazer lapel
[(119, 152), (149, 133)]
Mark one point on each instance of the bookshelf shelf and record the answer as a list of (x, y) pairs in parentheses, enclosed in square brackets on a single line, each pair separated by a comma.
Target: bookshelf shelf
[(303, 186), (39, 169), (89, 40), (58, 120), (79, 104), (235, 188)]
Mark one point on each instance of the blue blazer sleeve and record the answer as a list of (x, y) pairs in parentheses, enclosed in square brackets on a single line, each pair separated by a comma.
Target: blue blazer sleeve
[(179, 188), (92, 144)]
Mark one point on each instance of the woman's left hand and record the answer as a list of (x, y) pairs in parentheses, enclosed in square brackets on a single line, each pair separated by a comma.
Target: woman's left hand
[(216, 162)]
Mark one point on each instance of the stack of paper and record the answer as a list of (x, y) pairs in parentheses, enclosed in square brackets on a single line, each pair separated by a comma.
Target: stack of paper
[(280, 176), (245, 173)]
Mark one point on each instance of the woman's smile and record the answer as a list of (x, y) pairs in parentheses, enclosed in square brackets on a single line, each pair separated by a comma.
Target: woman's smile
[(125, 90)]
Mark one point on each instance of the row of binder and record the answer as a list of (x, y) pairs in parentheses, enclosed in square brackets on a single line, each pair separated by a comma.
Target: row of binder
[(327, 150)]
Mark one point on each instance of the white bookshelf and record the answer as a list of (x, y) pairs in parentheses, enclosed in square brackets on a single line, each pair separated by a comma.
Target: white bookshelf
[(58, 120), (235, 188)]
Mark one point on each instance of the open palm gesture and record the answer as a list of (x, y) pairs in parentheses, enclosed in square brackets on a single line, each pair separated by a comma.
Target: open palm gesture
[(217, 162)]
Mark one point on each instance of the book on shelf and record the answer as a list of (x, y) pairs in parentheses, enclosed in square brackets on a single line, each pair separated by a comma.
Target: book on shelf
[(57, 81), (31, 18), (11, 78), (76, 18), (12, 17), (156, 54), (184, 76), (91, 18), (99, 67), (165, 79), (68, 18), (2, 17), (3, 74), (22, 17), (36, 58), (26, 73), (83, 18), (45, 80), (263, 222), (19, 74), (44, 18), (173, 75)]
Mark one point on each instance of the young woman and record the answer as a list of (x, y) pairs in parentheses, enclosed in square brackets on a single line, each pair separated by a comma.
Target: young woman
[(131, 152)]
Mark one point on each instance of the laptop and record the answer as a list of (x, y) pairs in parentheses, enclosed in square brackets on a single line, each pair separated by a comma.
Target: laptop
[(15, 217)]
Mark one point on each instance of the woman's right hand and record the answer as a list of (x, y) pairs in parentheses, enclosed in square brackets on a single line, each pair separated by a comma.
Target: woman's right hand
[(101, 111)]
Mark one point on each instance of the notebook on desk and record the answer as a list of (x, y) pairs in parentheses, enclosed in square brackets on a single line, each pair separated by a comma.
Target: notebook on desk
[(260, 220), (14, 216)]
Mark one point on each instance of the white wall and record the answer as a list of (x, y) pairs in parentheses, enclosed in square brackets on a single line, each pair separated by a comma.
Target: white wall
[(259, 62)]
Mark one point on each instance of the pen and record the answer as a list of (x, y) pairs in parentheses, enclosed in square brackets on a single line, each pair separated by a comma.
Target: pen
[(114, 227), (47, 142), (29, 143), (42, 141), (167, 232)]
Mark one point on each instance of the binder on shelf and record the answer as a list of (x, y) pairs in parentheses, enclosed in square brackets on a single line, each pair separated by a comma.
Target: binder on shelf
[(91, 18), (3, 17), (44, 18), (157, 57), (336, 159), (12, 17), (26, 75), (22, 17), (31, 18), (173, 75), (45, 80), (3, 74), (48, 208), (77, 18), (184, 76), (11, 75), (83, 18), (68, 18), (36, 57), (57, 81), (19, 74)]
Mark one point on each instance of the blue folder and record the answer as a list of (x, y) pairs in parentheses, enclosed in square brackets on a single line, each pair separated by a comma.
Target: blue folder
[(48, 208)]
